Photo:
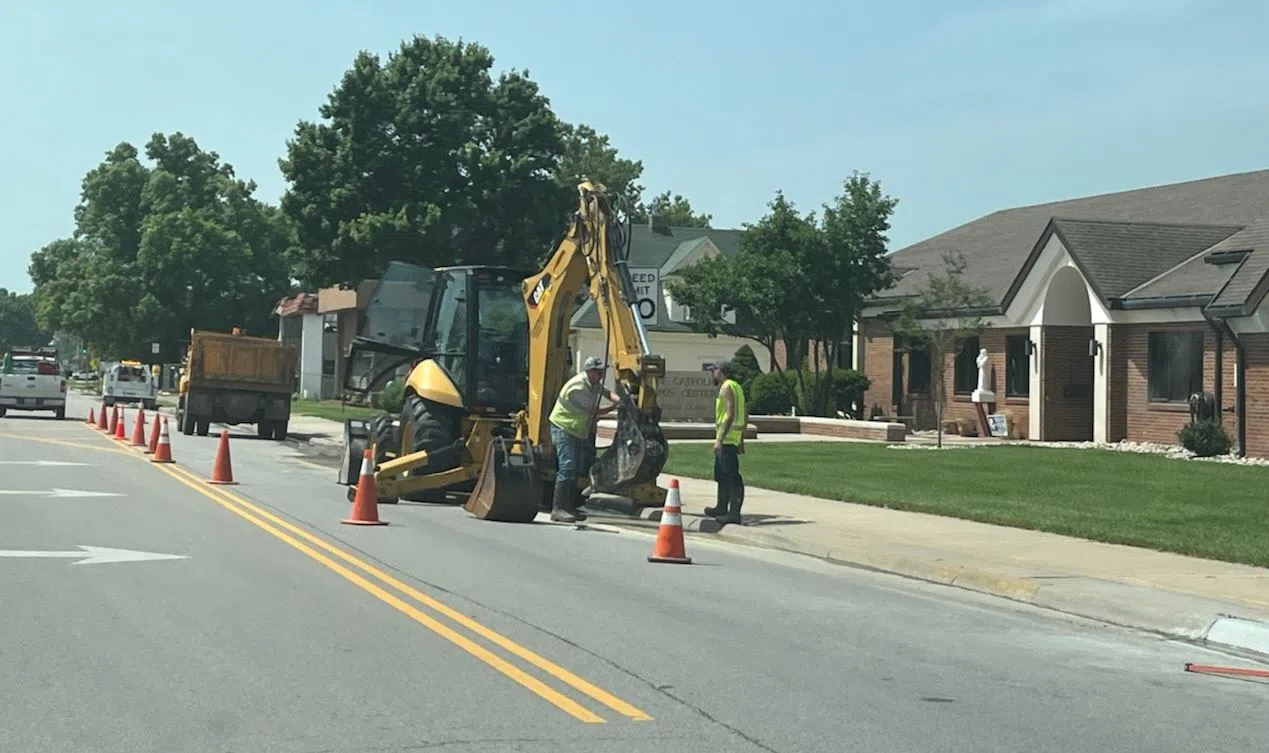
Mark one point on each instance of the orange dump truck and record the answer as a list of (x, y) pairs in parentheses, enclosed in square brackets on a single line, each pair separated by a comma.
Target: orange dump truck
[(231, 378)]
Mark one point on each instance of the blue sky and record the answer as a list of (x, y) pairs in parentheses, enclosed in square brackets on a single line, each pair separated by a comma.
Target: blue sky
[(958, 108)]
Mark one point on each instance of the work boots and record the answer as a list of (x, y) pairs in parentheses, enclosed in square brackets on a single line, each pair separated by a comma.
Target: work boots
[(724, 497), (736, 500), (563, 504)]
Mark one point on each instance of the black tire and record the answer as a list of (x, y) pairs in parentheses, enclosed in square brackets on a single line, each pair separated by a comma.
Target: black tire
[(386, 439), (436, 428), (186, 421), (280, 430), (264, 429), (202, 426), (60, 414)]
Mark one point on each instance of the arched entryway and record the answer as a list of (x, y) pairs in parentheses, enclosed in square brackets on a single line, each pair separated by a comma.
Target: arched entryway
[(1065, 367)]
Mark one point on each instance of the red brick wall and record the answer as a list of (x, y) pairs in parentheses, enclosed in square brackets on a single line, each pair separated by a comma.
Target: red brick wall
[(1256, 353), (1017, 408), (878, 366), (1152, 422)]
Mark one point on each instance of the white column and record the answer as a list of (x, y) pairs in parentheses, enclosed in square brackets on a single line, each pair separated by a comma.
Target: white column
[(857, 348), (1101, 384), (311, 340), (1035, 402)]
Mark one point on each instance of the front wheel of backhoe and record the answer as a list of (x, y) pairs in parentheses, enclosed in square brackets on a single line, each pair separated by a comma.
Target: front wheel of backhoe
[(436, 428)]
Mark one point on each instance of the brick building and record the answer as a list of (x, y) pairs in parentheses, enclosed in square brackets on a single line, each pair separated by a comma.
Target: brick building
[(1110, 311)]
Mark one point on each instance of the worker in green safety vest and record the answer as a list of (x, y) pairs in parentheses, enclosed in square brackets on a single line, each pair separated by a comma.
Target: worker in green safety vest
[(8, 362), (572, 422), (730, 417)]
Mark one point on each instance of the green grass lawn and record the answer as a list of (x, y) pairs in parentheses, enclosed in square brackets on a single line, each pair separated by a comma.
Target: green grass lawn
[(332, 410), (1213, 510)]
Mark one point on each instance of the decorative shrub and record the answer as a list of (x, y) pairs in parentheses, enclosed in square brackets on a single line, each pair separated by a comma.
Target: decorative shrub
[(392, 397), (1205, 439), (770, 394)]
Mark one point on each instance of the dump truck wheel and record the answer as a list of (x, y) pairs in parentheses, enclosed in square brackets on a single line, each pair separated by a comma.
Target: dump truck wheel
[(430, 426)]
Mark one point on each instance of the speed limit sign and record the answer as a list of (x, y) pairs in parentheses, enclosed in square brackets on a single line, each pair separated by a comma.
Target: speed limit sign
[(647, 292)]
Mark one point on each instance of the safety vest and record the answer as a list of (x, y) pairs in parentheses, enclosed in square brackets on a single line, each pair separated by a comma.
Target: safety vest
[(564, 415), (737, 430)]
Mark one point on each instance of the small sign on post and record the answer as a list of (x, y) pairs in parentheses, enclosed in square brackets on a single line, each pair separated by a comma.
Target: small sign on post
[(647, 293), (154, 348)]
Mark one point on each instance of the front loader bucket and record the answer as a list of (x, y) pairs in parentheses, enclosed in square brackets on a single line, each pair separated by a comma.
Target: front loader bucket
[(509, 488), (637, 454), (356, 440)]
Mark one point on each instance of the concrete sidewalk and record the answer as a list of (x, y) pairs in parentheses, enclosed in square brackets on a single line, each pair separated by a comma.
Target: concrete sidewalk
[(1171, 594)]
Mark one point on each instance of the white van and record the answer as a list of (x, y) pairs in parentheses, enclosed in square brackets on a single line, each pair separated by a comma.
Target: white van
[(129, 382)]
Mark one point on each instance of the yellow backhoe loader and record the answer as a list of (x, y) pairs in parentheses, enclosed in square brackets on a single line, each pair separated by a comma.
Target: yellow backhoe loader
[(487, 353)]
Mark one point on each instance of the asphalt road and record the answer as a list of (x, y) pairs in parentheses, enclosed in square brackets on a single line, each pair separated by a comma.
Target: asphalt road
[(279, 629)]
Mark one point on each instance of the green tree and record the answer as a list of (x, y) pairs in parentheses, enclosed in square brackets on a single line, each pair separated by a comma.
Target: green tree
[(800, 280), (751, 294), (849, 268), (17, 321), (676, 210), (944, 311), (425, 158), (160, 250)]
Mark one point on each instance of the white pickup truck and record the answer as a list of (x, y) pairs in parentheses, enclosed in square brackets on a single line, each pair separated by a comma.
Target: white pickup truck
[(31, 379)]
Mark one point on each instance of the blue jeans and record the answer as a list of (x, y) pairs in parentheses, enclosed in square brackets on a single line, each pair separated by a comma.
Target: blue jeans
[(572, 455)]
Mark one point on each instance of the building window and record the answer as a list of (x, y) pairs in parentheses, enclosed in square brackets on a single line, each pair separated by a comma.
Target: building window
[(965, 371), (1017, 366), (1176, 366), (919, 372)]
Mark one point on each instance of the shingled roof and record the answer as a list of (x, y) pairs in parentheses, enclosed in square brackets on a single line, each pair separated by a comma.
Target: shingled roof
[(665, 249), (1124, 242)]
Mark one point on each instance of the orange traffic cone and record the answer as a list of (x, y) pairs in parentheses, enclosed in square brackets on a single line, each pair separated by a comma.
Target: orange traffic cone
[(121, 433), (163, 450), (90, 420), (114, 419), (102, 424), (670, 547), (138, 429), (222, 470), (365, 510), (154, 434)]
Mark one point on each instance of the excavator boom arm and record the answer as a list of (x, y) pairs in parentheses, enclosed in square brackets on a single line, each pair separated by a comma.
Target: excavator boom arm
[(590, 260)]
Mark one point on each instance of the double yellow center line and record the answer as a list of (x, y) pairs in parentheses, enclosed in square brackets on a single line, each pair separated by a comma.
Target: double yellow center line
[(355, 570)]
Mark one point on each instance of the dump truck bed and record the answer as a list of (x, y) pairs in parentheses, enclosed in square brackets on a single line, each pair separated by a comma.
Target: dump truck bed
[(239, 362)]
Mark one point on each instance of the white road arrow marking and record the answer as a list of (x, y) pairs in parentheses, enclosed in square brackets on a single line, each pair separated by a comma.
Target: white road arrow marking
[(44, 463), (91, 555), (56, 493)]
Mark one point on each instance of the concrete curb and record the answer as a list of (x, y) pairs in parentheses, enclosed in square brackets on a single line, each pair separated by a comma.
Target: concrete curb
[(1251, 636)]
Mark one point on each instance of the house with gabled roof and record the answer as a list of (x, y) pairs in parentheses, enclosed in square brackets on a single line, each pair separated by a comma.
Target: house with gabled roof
[(669, 250), (1108, 312)]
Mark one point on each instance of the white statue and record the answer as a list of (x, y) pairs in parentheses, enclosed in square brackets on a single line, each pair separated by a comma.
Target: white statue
[(983, 394)]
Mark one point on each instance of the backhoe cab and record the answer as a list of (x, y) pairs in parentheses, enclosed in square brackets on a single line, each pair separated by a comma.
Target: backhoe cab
[(487, 349), (464, 332)]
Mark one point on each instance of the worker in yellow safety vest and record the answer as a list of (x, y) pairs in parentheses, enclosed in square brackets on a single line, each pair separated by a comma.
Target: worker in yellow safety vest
[(730, 418), (572, 423)]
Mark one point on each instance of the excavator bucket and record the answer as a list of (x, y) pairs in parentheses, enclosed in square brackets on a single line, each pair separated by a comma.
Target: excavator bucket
[(637, 454), (509, 489)]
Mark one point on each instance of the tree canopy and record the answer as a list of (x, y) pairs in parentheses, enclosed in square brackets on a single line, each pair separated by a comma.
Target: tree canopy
[(161, 248), (423, 156), (17, 321), (798, 279)]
